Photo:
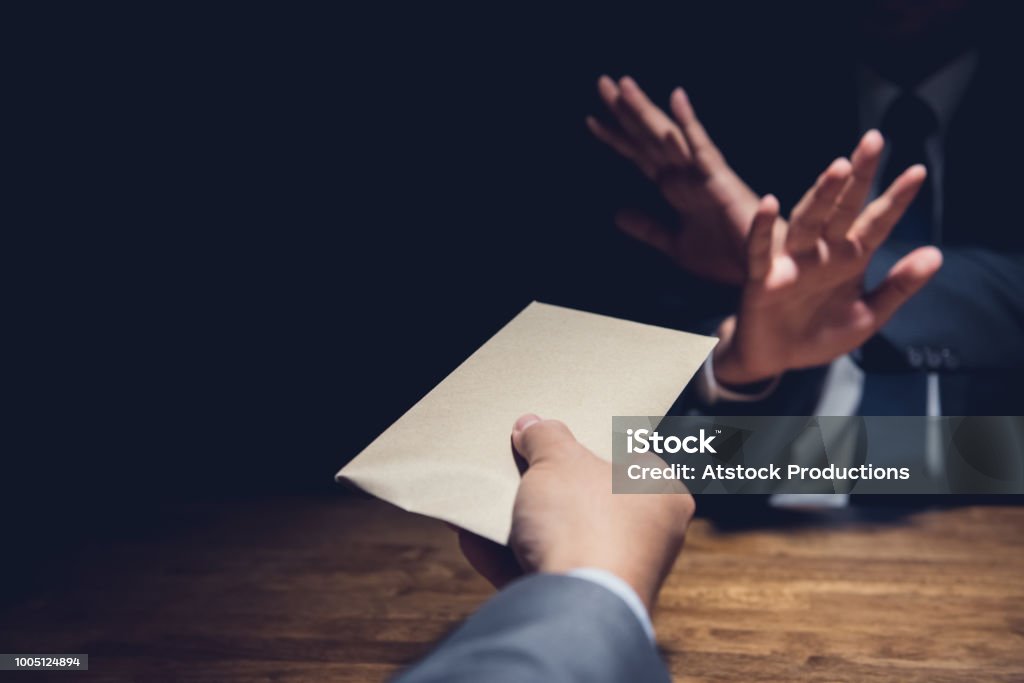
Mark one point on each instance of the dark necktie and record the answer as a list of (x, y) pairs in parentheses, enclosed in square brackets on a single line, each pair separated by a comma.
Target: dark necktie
[(906, 126)]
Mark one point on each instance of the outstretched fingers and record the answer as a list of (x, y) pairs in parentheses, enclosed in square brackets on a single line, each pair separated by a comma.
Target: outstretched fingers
[(641, 131), (851, 200), (702, 149), (662, 134), (873, 226), (807, 222)]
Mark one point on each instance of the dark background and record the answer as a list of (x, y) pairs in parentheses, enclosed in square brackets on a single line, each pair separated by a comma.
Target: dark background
[(248, 238)]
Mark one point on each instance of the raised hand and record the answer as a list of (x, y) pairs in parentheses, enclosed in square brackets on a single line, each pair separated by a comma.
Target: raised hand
[(804, 302), (714, 205)]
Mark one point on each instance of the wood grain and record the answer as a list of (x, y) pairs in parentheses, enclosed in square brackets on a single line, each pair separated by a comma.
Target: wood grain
[(346, 589)]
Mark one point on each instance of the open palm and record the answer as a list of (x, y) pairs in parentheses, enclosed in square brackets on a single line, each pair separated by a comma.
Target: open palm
[(804, 302), (714, 206)]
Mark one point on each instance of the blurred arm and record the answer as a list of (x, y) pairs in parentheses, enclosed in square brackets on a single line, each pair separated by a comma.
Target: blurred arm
[(546, 627)]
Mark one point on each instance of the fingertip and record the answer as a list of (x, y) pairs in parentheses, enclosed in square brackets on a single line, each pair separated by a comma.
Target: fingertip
[(872, 141), (518, 429), (839, 168), (917, 267), (769, 204), (607, 88), (909, 181), (627, 82), (536, 440), (524, 421), (679, 103), (929, 259)]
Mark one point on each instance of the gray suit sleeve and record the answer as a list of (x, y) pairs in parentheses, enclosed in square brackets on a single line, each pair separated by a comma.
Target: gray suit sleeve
[(545, 627)]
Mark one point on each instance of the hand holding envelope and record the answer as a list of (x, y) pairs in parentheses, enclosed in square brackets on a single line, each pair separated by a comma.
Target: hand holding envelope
[(449, 456)]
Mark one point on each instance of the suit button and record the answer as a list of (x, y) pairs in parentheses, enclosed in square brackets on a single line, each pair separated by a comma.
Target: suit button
[(914, 357), (950, 360), (933, 358)]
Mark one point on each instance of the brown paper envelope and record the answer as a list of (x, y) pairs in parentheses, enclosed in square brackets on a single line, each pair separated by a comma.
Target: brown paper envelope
[(450, 455)]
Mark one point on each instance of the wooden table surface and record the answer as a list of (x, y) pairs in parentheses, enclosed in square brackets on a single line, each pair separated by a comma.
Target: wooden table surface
[(346, 589)]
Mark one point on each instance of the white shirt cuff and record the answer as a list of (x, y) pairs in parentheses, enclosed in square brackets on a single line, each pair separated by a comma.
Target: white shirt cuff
[(710, 391), (622, 589)]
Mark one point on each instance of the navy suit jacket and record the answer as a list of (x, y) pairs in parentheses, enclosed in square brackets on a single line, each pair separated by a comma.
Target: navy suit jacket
[(970, 317)]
